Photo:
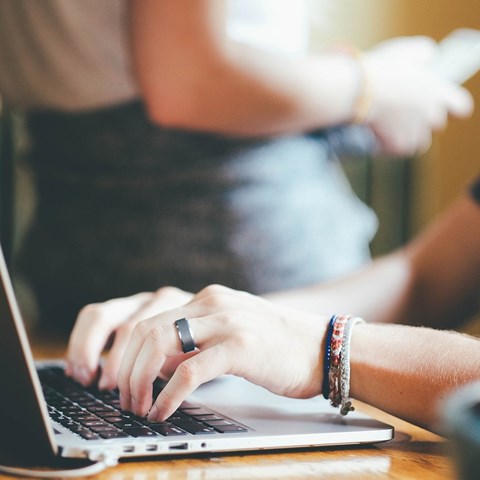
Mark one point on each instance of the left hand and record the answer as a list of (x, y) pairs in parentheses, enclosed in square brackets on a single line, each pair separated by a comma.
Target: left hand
[(115, 319), (235, 333)]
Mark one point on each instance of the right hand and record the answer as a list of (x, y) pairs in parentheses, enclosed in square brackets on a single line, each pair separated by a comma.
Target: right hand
[(235, 333), (409, 99), (98, 322)]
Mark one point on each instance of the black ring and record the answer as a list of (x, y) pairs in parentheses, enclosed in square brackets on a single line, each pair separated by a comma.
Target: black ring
[(185, 335)]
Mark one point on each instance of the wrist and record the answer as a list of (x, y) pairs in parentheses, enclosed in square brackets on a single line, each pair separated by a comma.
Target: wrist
[(363, 96)]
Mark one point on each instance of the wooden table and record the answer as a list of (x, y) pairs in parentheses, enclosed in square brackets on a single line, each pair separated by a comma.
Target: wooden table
[(414, 453)]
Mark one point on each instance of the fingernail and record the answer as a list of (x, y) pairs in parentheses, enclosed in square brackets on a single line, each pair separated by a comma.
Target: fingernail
[(152, 414)]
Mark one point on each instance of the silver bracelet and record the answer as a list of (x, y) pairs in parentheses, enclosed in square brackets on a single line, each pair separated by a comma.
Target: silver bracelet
[(346, 403)]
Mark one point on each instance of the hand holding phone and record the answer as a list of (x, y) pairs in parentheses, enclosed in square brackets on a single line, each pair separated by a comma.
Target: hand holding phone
[(458, 57)]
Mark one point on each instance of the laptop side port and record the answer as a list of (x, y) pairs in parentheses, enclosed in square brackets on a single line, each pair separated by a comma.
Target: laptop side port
[(128, 449), (178, 446), (151, 448)]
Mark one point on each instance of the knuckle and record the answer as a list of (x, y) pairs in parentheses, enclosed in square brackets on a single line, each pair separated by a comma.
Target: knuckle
[(188, 372), (214, 296), (156, 334), (167, 400), (141, 329), (215, 289), (92, 311), (243, 339), (138, 386), (166, 291), (126, 329)]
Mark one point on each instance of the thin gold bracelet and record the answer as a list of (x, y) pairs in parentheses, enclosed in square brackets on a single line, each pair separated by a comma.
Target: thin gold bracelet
[(363, 102)]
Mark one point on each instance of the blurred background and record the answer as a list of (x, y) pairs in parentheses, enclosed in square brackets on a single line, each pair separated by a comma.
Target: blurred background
[(435, 179), (406, 193)]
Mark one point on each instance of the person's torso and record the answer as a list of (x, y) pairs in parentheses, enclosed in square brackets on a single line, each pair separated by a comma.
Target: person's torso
[(74, 55)]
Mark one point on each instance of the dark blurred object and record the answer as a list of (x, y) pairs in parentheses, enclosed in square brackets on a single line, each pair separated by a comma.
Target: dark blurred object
[(6, 182), (462, 426)]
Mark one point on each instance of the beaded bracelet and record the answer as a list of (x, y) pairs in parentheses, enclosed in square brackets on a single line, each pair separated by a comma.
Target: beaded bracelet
[(336, 346), (336, 379), (326, 360)]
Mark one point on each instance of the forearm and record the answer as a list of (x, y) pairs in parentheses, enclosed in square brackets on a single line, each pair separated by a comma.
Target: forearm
[(193, 76), (408, 371), (254, 93), (434, 281), (379, 292)]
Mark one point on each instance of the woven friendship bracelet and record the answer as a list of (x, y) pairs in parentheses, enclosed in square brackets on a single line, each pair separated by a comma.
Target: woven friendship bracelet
[(336, 344), (345, 402)]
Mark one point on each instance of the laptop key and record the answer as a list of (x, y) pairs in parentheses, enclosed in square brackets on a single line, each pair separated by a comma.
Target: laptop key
[(88, 435), (230, 429), (167, 429), (94, 423), (217, 423), (140, 432), (123, 424), (195, 428), (112, 434), (114, 419), (85, 418), (110, 413), (207, 418), (104, 428)]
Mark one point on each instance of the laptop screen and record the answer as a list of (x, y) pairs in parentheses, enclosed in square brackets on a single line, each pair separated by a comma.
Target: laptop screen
[(21, 398)]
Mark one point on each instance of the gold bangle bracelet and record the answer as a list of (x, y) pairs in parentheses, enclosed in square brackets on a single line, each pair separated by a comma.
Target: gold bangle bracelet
[(363, 100), (363, 103)]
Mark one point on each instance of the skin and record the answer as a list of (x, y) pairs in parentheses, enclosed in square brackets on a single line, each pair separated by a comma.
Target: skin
[(393, 367), (192, 76), (434, 281)]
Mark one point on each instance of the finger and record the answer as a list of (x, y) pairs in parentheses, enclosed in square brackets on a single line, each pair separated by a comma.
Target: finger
[(201, 368), (425, 143), (171, 364), (147, 365), (161, 300), (93, 328), (460, 102), (159, 331), (111, 365)]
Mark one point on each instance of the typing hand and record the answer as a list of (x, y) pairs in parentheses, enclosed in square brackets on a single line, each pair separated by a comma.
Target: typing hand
[(235, 333), (97, 323)]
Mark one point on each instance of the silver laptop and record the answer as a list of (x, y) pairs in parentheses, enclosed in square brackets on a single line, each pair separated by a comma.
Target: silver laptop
[(55, 417)]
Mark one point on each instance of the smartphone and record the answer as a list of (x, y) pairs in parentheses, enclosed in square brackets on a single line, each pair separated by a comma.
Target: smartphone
[(458, 57)]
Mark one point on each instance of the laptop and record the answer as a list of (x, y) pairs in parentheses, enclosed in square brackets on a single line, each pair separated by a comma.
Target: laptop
[(58, 418)]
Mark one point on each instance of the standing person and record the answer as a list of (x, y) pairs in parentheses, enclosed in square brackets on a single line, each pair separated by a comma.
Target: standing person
[(180, 142)]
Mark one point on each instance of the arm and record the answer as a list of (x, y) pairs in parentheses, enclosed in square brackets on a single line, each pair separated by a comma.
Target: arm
[(404, 370), (193, 76), (434, 281)]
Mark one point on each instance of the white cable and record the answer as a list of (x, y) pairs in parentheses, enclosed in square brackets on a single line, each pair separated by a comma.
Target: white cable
[(77, 472)]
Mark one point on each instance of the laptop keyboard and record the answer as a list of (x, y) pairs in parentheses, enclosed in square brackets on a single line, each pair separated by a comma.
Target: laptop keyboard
[(95, 414)]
